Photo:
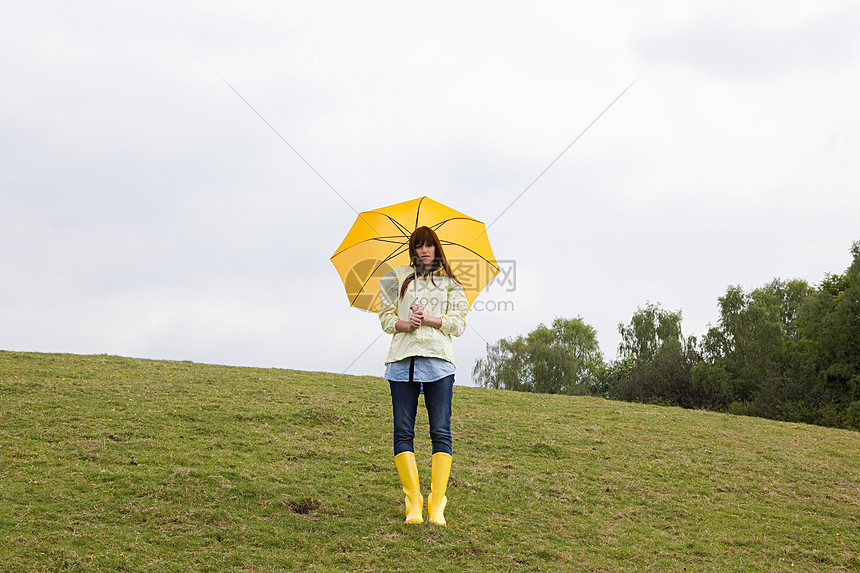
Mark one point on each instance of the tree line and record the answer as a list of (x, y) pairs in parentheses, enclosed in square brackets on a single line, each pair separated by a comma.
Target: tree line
[(787, 350)]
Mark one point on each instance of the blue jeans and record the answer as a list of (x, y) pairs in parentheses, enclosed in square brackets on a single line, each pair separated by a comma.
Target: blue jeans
[(437, 399)]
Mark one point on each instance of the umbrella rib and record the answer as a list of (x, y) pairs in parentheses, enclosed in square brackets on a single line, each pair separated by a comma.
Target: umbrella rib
[(483, 258), (400, 226), (437, 226), (396, 223), (386, 259), (418, 211), (397, 240), (394, 239)]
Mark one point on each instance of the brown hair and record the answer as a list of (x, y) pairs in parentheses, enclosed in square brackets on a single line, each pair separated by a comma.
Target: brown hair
[(421, 236)]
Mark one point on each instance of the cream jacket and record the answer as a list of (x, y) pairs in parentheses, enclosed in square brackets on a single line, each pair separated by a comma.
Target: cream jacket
[(445, 299)]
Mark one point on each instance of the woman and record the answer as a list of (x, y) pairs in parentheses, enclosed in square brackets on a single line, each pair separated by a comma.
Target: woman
[(423, 306)]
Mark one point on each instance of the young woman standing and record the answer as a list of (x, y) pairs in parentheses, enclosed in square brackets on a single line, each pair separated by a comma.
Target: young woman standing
[(422, 306)]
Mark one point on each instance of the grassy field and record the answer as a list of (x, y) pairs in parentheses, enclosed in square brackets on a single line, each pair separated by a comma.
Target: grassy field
[(119, 464)]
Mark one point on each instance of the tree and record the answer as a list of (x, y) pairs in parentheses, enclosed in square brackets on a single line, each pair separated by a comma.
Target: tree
[(831, 329), (655, 359), (562, 359), (785, 350), (753, 356)]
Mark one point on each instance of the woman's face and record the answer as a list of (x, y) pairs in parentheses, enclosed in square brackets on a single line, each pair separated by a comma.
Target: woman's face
[(427, 253)]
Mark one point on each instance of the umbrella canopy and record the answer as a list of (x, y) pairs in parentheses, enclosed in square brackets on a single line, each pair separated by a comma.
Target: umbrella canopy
[(379, 241)]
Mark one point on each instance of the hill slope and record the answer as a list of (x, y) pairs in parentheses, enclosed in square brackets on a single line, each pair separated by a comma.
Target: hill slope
[(113, 463)]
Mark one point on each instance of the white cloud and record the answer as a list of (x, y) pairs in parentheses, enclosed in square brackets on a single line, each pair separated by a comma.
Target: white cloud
[(729, 46)]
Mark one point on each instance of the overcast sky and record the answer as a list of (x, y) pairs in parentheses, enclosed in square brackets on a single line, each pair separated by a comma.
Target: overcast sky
[(148, 212)]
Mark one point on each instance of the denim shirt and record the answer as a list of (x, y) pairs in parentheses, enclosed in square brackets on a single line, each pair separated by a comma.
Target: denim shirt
[(425, 369)]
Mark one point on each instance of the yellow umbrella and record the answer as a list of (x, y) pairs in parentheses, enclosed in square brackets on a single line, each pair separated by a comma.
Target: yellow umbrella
[(379, 241)]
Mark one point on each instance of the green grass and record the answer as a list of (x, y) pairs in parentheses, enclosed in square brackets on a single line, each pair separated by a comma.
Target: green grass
[(119, 464)]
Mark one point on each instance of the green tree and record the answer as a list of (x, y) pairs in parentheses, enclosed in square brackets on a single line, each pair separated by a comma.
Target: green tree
[(752, 357), (562, 359), (655, 359), (831, 336), (650, 329)]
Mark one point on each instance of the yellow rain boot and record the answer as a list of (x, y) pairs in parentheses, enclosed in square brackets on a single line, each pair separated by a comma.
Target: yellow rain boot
[(439, 483), (408, 470)]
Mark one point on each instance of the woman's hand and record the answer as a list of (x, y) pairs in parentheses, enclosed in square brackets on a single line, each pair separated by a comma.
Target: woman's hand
[(417, 317)]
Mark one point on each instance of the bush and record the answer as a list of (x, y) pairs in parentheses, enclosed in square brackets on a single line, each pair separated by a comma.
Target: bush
[(851, 416), (742, 408)]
